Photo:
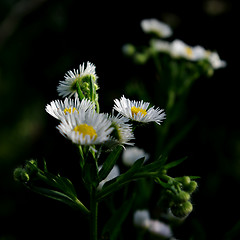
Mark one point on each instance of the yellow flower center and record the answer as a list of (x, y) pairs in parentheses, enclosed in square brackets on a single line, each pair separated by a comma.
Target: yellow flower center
[(136, 110), (69, 110), (189, 51), (85, 129)]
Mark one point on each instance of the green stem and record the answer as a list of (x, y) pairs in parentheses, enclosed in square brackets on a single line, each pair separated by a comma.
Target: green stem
[(93, 214)]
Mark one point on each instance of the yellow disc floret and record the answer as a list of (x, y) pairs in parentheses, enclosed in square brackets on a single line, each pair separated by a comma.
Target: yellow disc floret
[(136, 110), (189, 51), (69, 110), (85, 129)]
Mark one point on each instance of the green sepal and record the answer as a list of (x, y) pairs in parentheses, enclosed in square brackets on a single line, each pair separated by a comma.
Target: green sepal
[(92, 90), (113, 225), (109, 163), (79, 92)]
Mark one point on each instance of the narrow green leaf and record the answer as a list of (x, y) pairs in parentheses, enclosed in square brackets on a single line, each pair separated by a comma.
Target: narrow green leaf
[(194, 177), (53, 194), (109, 163), (174, 163)]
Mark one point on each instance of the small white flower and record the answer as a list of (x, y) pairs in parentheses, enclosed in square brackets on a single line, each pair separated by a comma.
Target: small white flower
[(115, 172), (141, 218), (155, 26), (59, 108), (180, 49), (138, 111), (215, 60), (159, 228), (161, 45), (132, 154), (122, 132), (67, 87), (85, 127)]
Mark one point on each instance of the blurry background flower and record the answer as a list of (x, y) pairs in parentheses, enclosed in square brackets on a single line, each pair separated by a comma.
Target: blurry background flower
[(132, 154)]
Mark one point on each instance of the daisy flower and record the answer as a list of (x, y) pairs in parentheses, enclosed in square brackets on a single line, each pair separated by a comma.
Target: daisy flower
[(122, 131), (67, 87), (138, 111), (59, 108), (180, 49), (215, 60), (86, 127), (155, 26)]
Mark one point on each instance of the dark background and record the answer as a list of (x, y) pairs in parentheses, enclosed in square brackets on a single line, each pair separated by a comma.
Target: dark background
[(41, 40)]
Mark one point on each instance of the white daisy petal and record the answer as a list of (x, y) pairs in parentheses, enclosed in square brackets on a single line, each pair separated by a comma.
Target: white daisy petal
[(138, 111), (86, 127), (59, 108)]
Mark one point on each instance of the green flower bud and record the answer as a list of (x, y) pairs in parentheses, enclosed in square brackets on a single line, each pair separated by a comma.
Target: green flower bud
[(185, 180), (129, 50), (181, 197), (31, 167), (140, 58), (182, 210), (191, 187), (21, 175)]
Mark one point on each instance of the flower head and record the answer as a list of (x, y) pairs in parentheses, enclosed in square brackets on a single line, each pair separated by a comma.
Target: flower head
[(157, 27), (122, 132), (180, 49), (68, 87), (59, 109), (138, 111), (86, 127)]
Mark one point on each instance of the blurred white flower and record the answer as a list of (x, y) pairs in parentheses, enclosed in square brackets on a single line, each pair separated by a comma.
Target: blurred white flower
[(159, 228), (180, 49), (215, 60), (141, 218), (132, 154), (157, 27), (113, 173), (161, 45)]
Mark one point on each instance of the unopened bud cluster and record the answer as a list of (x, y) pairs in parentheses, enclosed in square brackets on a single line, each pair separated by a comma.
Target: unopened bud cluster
[(178, 196), (23, 174)]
